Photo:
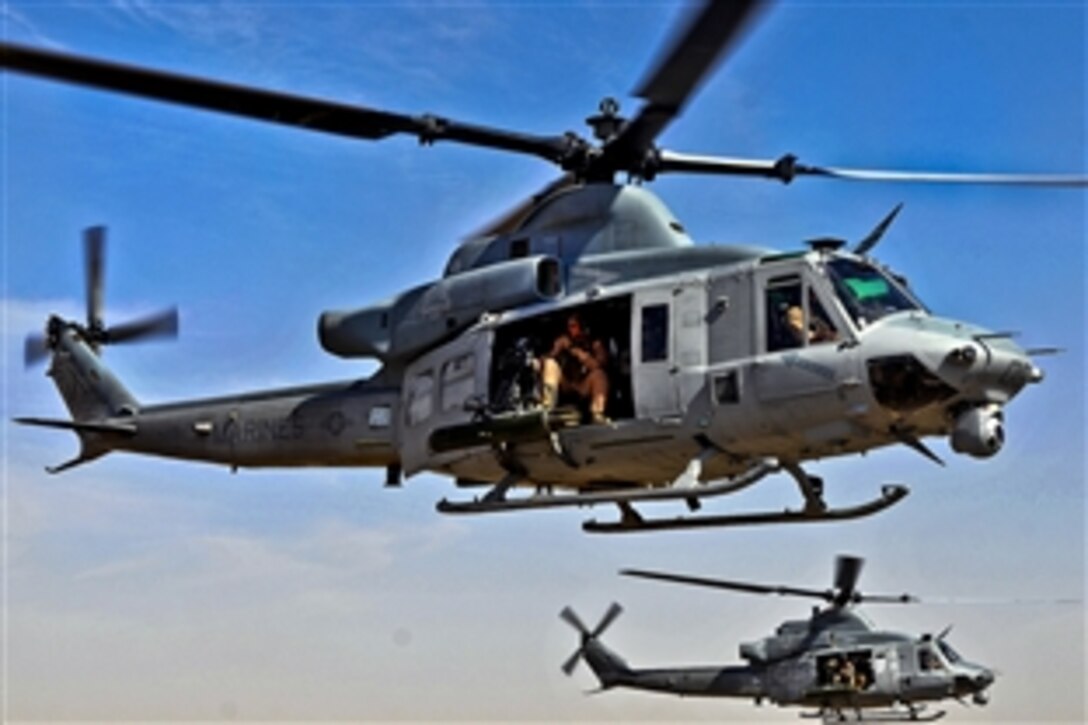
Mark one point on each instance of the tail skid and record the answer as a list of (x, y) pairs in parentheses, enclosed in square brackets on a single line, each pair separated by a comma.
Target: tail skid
[(83, 457)]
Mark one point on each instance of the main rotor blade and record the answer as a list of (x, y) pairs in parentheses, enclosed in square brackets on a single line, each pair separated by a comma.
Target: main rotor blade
[(160, 324), (731, 585), (847, 571), (94, 248), (995, 601), (786, 169), (272, 106), (669, 84), (886, 598), (932, 177)]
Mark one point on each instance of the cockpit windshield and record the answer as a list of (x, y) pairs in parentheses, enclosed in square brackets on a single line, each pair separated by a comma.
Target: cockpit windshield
[(949, 654), (866, 292)]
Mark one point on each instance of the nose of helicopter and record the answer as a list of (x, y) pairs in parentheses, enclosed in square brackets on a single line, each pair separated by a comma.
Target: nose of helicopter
[(976, 364), (987, 366), (975, 682), (986, 370), (969, 372)]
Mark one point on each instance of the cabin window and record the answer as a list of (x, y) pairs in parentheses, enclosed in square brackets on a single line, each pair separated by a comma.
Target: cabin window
[(519, 248), (380, 416), (458, 381), (420, 398), (726, 389), (655, 333)]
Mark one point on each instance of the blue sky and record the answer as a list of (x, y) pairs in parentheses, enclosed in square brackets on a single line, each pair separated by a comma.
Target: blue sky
[(152, 590)]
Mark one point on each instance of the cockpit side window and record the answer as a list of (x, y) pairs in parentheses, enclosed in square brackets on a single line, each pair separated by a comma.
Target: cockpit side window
[(928, 661), (784, 313), (820, 326), (866, 292), (793, 318)]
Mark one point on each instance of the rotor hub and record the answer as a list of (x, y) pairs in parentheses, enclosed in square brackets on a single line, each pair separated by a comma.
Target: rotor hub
[(607, 122)]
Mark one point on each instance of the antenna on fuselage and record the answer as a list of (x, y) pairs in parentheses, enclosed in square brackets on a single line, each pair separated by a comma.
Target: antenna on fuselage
[(865, 245)]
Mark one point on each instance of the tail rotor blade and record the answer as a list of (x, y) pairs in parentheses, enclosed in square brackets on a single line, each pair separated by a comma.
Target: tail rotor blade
[(573, 620), (606, 621), (35, 350), (159, 325), (568, 616), (162, 324), (572, 662), (94, 241)]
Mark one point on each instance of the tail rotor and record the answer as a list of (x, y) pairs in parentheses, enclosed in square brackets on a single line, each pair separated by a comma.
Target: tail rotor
[(94, 253), (569, 616), (162, 324), (37, 346)]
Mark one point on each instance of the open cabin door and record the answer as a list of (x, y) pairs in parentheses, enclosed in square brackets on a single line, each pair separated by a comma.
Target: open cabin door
[(440, 390)]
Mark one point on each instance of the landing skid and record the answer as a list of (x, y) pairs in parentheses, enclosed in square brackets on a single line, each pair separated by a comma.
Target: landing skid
[(908, 714), (687, 489), (630, 521), (496, 500)]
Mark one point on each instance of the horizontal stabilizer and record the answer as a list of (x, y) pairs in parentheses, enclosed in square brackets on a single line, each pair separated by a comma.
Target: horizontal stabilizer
[(125, 429)]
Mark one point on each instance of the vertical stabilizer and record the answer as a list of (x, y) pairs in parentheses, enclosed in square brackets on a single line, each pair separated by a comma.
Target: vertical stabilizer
[(610, 668), (94, 396), (89, 389)]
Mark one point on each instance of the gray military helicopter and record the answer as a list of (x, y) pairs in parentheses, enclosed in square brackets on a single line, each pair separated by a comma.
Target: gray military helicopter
[(723, 364), (833, 661)]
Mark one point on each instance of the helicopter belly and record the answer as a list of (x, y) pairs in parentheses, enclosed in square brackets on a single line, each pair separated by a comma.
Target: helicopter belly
[(635, 452)]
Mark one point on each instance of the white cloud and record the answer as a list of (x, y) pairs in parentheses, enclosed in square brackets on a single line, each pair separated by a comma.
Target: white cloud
[(11, 18), (203, 22)]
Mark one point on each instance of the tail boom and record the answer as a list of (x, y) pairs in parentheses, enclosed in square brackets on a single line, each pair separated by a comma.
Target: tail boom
[(350, 423), (738, 681)]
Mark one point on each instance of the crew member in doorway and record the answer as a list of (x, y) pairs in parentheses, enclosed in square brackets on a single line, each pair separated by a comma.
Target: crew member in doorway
[(576, 363)]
